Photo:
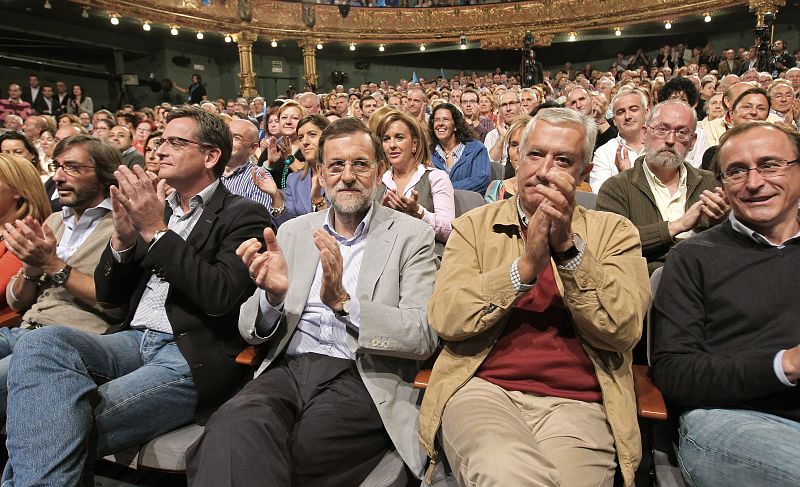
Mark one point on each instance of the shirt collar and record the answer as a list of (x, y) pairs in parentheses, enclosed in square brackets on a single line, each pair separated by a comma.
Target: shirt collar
[(174, 200), (101, 209), (757, 237), (238, 170), (522, 217), (653, 179), (361, 229)]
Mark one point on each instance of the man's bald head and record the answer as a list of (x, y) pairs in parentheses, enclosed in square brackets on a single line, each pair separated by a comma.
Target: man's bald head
[(733, 93)]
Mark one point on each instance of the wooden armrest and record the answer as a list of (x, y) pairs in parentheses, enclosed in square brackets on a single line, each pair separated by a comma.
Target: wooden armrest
[(251, 356), (10, 318), (422, 378), (649, 401)]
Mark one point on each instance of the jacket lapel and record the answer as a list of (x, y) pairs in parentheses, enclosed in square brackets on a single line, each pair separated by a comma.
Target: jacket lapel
[(380, 243), (202, 228)]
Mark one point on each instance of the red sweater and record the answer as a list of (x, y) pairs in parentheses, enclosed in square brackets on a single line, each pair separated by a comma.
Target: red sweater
[(9, 265), (538, 351)]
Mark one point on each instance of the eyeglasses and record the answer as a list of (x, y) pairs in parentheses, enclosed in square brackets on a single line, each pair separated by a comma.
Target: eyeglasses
[(357, 166), (508, 105), (662, 132), (242, 140), (69, 167), (767, 169), (179, 143)]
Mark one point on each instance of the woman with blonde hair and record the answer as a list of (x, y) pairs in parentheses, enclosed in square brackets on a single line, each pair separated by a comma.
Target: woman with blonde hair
[(283, 155), (22, 195), (354, 110), (501, 189), (411, 184), (487, 106)]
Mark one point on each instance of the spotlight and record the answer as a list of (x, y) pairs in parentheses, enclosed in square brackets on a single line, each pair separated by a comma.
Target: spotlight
[(352, 46), (114, 19), (381, 48), (668, 24), (47, 5), (200, 35), (572, 36), (274, 43), (146, 26), (462, 42), (422, 47), (228, 38), (174, 30), (618, 32), (319, 45), (85, 12), (707, 18)]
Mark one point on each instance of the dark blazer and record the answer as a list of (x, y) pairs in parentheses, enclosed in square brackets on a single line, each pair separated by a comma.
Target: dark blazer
[(208, 284), (629, 195)]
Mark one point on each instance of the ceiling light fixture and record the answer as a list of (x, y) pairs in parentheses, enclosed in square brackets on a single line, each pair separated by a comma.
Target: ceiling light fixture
[(319, 45), (572, 36), (274, 43), (85, 12), (228, 38), (462, 42), (146, 26), (667, 24), (618, 31), (381, 48), (707, 17), (47, 5), (114, 19), (422, 47), (352, 46), (173, 30), (200, 35)]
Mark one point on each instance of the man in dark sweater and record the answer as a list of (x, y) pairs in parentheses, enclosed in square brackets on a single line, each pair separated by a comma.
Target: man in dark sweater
[(662, 194), (725, 321)]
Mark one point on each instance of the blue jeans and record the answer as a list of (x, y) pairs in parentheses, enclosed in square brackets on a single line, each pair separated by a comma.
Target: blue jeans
[(8, 339), (60, 420), (726, 447)]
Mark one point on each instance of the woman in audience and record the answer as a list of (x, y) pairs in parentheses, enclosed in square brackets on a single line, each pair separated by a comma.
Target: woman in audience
[(713, 108), (784, 104), (304, 194), (102, 128), (48, 141), (151, 160), (487, 106), (411, 184), (78, 102), (16, 144), (21, 195), (68, 119), (501, 189), (283, 155), (456, 149), (141, 134)]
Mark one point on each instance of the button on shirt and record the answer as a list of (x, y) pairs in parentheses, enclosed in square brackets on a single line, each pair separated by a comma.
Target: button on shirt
[(319, 329), (240, 182), (77, 231), (671, 205), (151, 312)]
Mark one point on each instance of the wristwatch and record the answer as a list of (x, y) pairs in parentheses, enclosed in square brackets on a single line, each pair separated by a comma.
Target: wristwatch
[(60, 276), (567, 255), (345, 308)]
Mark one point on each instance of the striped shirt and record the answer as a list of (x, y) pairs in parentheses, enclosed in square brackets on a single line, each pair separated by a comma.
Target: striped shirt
[(319, 329), (240, 182)]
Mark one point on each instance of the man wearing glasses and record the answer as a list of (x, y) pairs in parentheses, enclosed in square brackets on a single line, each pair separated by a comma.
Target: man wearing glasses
[(663, 195), (173, 358), (495, 141), (726, 347), (59, 255), (342, 311)]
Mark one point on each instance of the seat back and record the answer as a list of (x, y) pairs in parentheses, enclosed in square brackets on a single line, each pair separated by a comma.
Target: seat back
[(498, 171), (586, 200), (466, 200)]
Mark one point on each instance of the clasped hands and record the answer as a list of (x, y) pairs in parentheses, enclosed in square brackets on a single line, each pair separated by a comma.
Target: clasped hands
[(137, 207), (269, 271), (712, 204), (550, 227), (403, 204)]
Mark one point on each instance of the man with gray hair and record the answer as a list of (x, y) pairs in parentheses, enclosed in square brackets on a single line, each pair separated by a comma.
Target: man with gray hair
[(310, 102), (540, 302), (663, 195)]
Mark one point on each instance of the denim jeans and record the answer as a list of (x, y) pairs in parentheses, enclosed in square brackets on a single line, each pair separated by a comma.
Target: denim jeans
[(8, 339), (726, 447), (60, 420)]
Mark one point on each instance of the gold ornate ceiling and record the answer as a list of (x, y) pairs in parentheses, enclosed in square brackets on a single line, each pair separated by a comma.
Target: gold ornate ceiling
[(497, 26)]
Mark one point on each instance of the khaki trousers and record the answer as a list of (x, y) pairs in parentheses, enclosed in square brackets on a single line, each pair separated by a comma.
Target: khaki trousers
[(494, 437)]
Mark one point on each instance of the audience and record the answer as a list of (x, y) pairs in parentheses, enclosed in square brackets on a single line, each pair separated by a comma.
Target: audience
[(184, 280)]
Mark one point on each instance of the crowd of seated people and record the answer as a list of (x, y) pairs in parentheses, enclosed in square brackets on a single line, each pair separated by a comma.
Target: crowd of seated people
[(144, 248)]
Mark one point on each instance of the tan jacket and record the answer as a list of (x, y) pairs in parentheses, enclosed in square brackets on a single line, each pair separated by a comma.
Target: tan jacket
[(606, 296)]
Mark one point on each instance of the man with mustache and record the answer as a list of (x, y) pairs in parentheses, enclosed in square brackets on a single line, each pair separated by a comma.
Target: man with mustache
[(342, 311), (663, 195), (59, 255)]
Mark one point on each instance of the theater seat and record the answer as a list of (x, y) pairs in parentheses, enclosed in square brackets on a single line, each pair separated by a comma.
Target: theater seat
[(498, 171), (166, 453), (10, 318), (466, 200), (586, 200)]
